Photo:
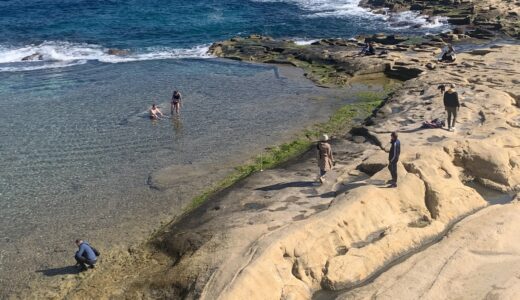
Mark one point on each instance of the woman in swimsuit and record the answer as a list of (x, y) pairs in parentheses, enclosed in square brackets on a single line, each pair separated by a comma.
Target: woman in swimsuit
[(176, 102)]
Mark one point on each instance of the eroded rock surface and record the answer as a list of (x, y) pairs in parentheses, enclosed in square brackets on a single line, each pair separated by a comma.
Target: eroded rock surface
[(367, 226), (479, 259)]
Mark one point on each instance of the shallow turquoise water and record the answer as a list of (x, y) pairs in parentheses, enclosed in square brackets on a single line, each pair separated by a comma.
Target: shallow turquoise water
[(77, 147)]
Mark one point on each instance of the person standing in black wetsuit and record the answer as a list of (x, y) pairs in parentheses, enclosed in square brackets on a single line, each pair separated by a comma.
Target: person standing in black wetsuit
[(452, 106), (393, 158), (176, 102)]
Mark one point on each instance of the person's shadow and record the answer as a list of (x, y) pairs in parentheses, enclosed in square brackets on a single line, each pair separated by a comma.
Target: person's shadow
[(69, 270), (280, 186)]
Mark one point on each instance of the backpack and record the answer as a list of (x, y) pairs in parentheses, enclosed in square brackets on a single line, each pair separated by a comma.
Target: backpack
[(96, 252)]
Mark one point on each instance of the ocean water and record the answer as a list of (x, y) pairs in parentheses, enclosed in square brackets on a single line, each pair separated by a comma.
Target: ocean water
[(72, 32), (76, 148)]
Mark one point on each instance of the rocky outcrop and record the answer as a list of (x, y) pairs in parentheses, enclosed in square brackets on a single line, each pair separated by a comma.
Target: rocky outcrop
[(117, 52), (374, 163), (480, 19), (35, 56), (334, 61)]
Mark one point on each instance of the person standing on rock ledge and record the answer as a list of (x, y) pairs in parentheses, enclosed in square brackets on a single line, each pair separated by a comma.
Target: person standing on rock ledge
[(393, 158), (325, 158), (452, 105)]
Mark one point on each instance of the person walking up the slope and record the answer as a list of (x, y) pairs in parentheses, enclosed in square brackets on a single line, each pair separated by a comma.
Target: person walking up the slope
[(452, 105), (325, 158), (393, 158)]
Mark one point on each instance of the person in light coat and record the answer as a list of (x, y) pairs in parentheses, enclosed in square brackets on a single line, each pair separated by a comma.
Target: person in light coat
[(325, 157)]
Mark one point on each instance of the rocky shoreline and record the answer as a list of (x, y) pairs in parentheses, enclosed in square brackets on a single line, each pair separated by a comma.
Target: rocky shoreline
[(277, 235), (333, 62), (479, 19)]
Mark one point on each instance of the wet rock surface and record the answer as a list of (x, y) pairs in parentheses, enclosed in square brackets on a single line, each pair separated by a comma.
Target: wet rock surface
[(332, 62)]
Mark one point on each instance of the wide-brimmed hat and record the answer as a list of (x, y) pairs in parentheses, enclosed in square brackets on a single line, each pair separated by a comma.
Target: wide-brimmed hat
[(324, 138)]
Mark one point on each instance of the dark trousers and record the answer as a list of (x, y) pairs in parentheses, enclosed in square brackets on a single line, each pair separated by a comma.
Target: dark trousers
[(392, 166), (452, 112), (82, 261)]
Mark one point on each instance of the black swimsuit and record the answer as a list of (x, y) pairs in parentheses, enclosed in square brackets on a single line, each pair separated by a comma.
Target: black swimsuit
[(176, 98)]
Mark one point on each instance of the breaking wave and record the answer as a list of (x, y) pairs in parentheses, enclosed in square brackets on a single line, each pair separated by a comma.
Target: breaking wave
[(351, 8), (57, 54)]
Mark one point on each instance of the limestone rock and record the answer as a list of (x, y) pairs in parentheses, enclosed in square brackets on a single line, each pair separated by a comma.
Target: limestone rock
[(431, 66), (374, 163)]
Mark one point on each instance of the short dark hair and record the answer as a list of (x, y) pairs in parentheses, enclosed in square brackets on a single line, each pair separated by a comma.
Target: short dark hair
[(394, 134)]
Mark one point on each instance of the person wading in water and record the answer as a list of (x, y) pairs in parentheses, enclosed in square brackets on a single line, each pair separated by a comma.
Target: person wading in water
[(155, 112), (176, 102)]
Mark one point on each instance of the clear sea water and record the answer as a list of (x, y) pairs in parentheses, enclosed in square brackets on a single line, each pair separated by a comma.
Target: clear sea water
[(76, 148)]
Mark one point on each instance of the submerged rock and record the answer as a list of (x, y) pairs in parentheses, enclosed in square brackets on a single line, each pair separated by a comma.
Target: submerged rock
[(117, 52), (35, 56)]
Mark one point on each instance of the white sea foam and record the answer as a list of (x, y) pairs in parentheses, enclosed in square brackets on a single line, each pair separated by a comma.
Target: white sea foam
[(326, 7), (411, 19), (57, 54), (303, 42), (351, 8)]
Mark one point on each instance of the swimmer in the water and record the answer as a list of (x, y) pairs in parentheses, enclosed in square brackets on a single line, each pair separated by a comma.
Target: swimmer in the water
[(155, 113)]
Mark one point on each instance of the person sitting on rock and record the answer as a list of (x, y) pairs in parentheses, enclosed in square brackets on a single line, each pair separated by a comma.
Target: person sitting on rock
[(155, 113), (448, 54), (86, 255), (435, 123), (368, 49), (452, 105), (325, 158)]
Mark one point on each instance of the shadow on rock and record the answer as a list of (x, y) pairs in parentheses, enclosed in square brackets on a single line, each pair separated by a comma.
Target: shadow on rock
[(280, 186), (60, 271)]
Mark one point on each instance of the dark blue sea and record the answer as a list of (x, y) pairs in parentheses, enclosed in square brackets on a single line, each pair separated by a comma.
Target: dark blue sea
[(77, 151), (71, 32)]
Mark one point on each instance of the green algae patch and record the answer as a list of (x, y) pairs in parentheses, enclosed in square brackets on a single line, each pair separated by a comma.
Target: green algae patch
[(341, 120)]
